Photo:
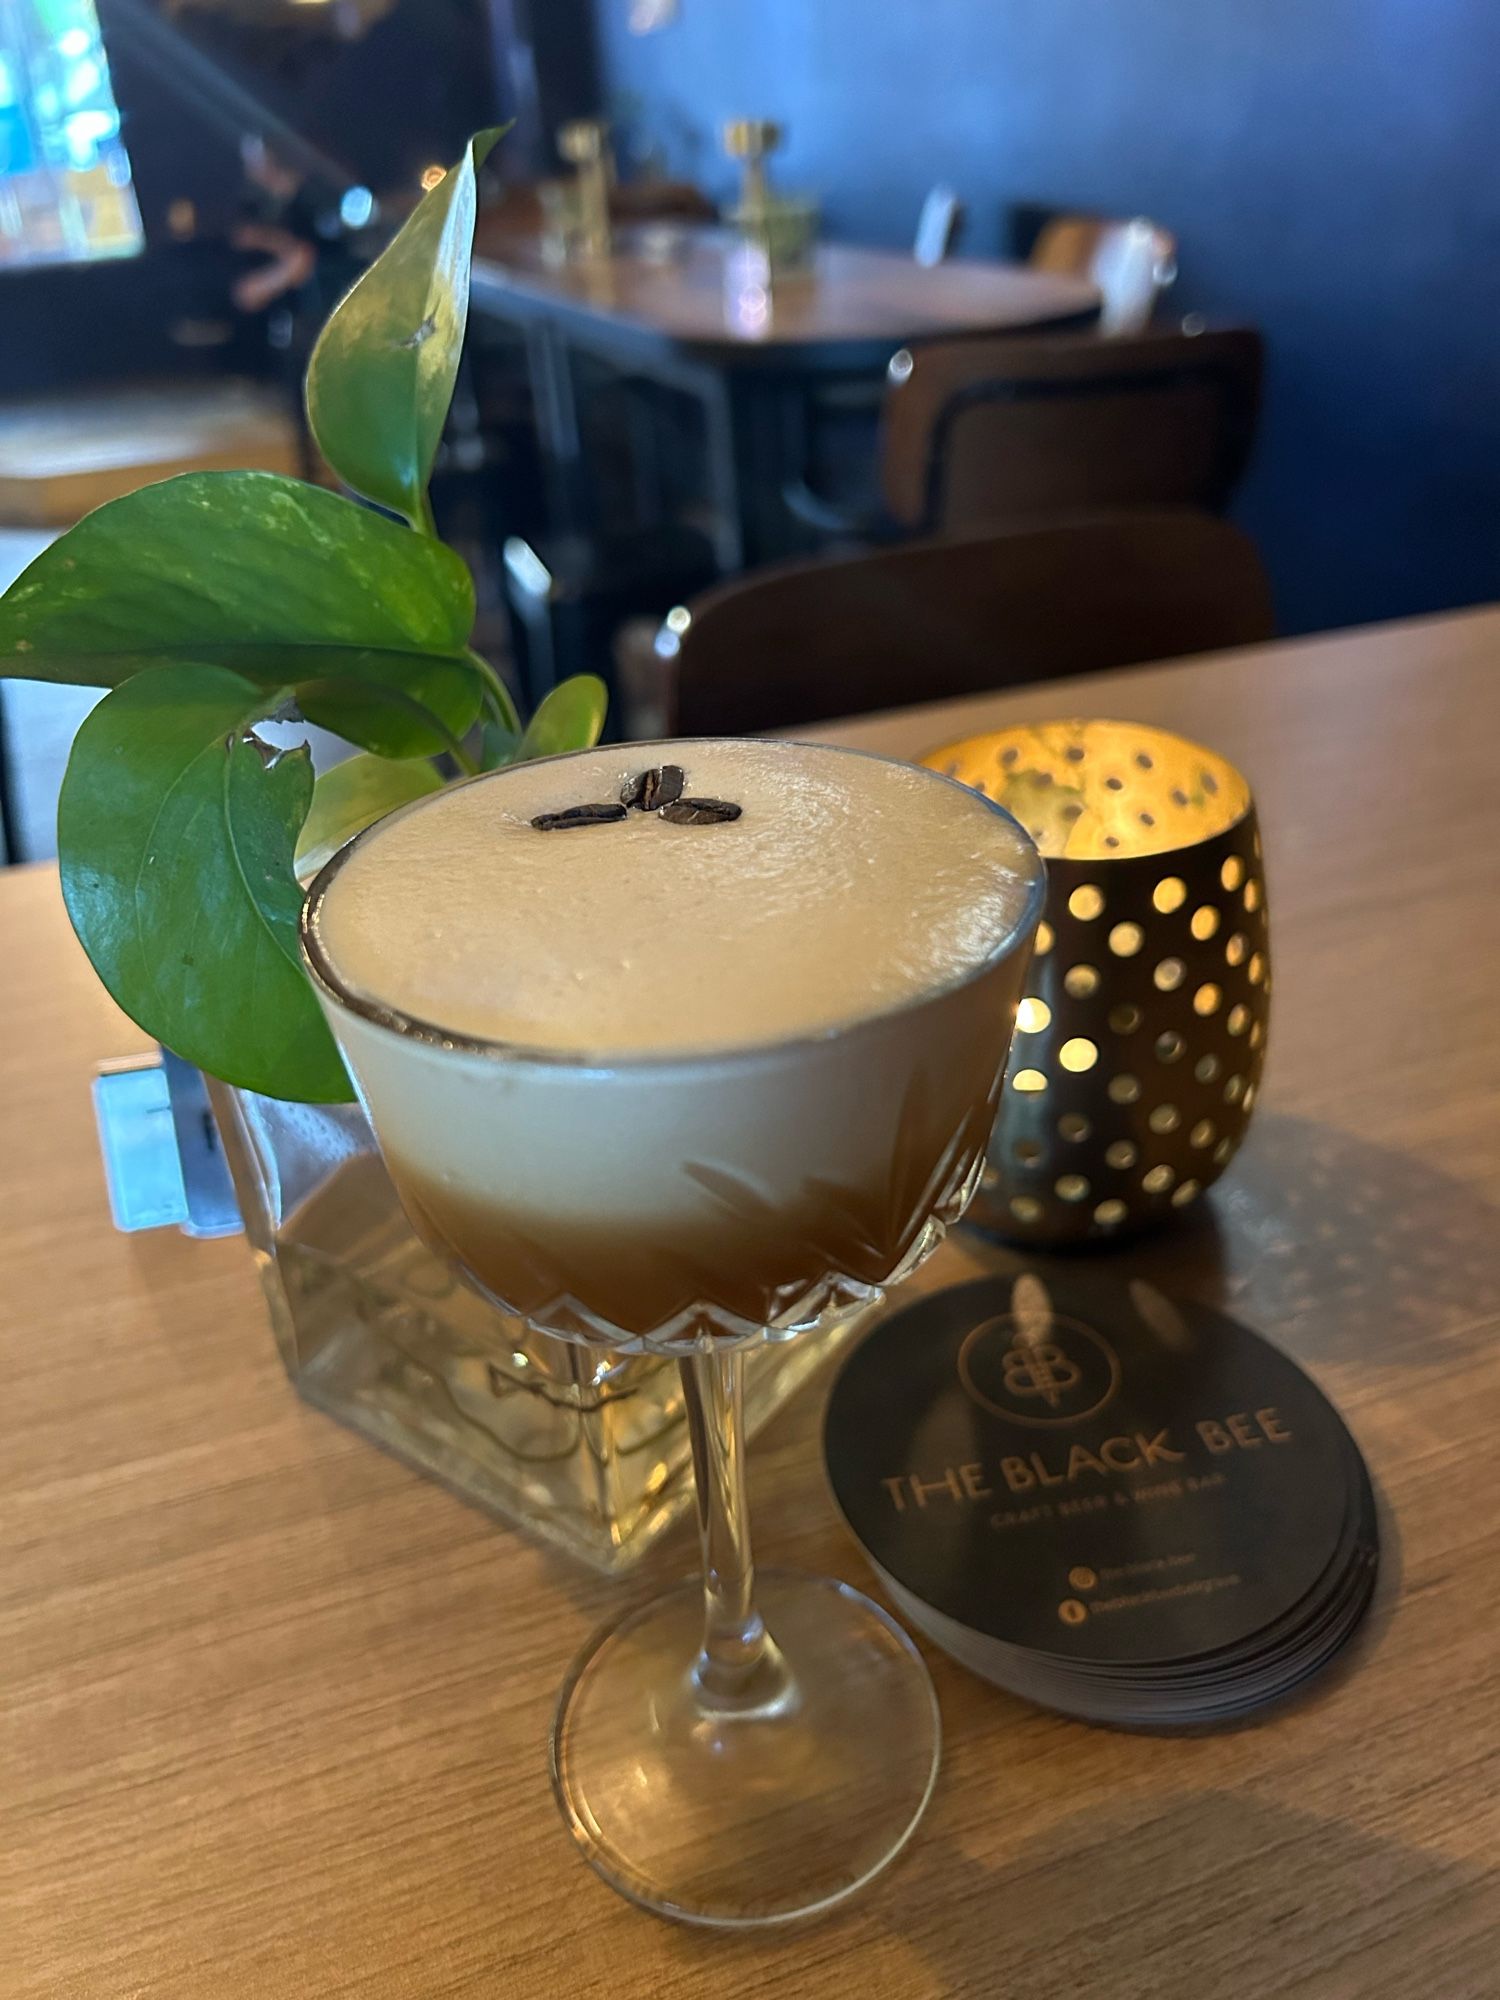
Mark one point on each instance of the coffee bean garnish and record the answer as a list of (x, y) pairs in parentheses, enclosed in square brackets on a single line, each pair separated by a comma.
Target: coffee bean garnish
[(655, 788), (595, 815), (657, 791), (701, 812)]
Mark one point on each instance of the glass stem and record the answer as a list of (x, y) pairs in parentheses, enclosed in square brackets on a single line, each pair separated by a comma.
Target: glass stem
[(738, 1665)]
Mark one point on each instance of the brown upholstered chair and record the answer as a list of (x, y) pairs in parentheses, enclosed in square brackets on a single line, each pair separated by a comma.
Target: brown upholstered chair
[(983, 432), (803, 642), (996, 432)]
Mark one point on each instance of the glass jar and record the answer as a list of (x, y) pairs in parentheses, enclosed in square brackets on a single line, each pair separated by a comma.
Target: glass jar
[(589, 1451)]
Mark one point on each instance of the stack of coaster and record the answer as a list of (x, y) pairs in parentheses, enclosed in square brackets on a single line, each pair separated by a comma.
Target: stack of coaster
[(1125, 1507)]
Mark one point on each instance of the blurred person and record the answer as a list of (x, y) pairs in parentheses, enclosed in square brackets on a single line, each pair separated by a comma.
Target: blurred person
[(277, 230)]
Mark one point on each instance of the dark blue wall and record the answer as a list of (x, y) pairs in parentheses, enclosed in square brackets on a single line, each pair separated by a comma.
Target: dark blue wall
[(1332, 168)]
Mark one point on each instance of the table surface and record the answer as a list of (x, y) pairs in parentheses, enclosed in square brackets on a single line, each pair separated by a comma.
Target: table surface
[(853, 305), (272, 1708)]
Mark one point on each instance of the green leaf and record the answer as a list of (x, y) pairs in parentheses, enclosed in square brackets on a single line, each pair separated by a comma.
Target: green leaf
[(176, 832), (570, 718), (383, 370), (379, 717), (498, 745), (274, 578), (352, 796)]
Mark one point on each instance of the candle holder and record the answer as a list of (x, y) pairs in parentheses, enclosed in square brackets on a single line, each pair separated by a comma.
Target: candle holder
[(1142, 1034), (752, 141), (782, 229), (584, 144)]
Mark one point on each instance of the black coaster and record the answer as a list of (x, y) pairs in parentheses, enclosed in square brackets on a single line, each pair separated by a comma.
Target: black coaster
[(1115, 1503)]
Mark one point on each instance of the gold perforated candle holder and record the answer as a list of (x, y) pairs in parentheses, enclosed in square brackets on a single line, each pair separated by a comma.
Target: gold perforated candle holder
[(1140, 1041)]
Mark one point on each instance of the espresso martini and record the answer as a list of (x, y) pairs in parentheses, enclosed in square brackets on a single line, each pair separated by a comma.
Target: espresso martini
[(655, 1026)]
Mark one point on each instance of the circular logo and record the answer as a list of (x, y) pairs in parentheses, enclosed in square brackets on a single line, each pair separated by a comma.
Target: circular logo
[(1043, 1370)]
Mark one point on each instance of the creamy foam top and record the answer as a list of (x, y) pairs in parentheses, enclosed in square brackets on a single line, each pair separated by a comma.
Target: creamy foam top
[(848, 885)]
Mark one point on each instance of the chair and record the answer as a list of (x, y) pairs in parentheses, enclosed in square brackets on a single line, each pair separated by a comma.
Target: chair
[(568, 595), (802, 642), (1131, 263), (846, 411), (980, 432)]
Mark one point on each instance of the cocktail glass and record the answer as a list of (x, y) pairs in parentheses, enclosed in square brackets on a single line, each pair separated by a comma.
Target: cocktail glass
[(738, 1751)]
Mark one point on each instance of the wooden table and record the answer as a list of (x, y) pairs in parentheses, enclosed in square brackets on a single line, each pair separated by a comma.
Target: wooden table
[(851, 309), (274, 1708), (62, 456), (693, 321)]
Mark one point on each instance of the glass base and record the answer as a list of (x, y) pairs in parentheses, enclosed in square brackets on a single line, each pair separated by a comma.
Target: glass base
[(770, 1809)]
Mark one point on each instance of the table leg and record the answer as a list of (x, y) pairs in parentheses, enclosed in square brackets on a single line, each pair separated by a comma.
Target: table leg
[(759, 435), (753, 427), (558, 437), (725, 492)]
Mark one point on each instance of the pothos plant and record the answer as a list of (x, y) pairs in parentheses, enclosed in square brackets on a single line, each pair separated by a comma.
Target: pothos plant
[(217, 601)]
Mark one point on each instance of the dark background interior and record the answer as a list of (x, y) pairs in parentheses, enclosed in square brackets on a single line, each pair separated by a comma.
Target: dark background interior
[(1330, 167), (404, 94)]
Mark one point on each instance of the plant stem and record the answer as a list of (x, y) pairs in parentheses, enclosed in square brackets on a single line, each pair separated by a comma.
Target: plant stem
[(496, 692), (738, 1665), (424, 521)]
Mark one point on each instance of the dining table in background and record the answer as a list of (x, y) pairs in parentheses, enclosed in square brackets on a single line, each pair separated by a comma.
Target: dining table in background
[(677, 305), (273, 1709)]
